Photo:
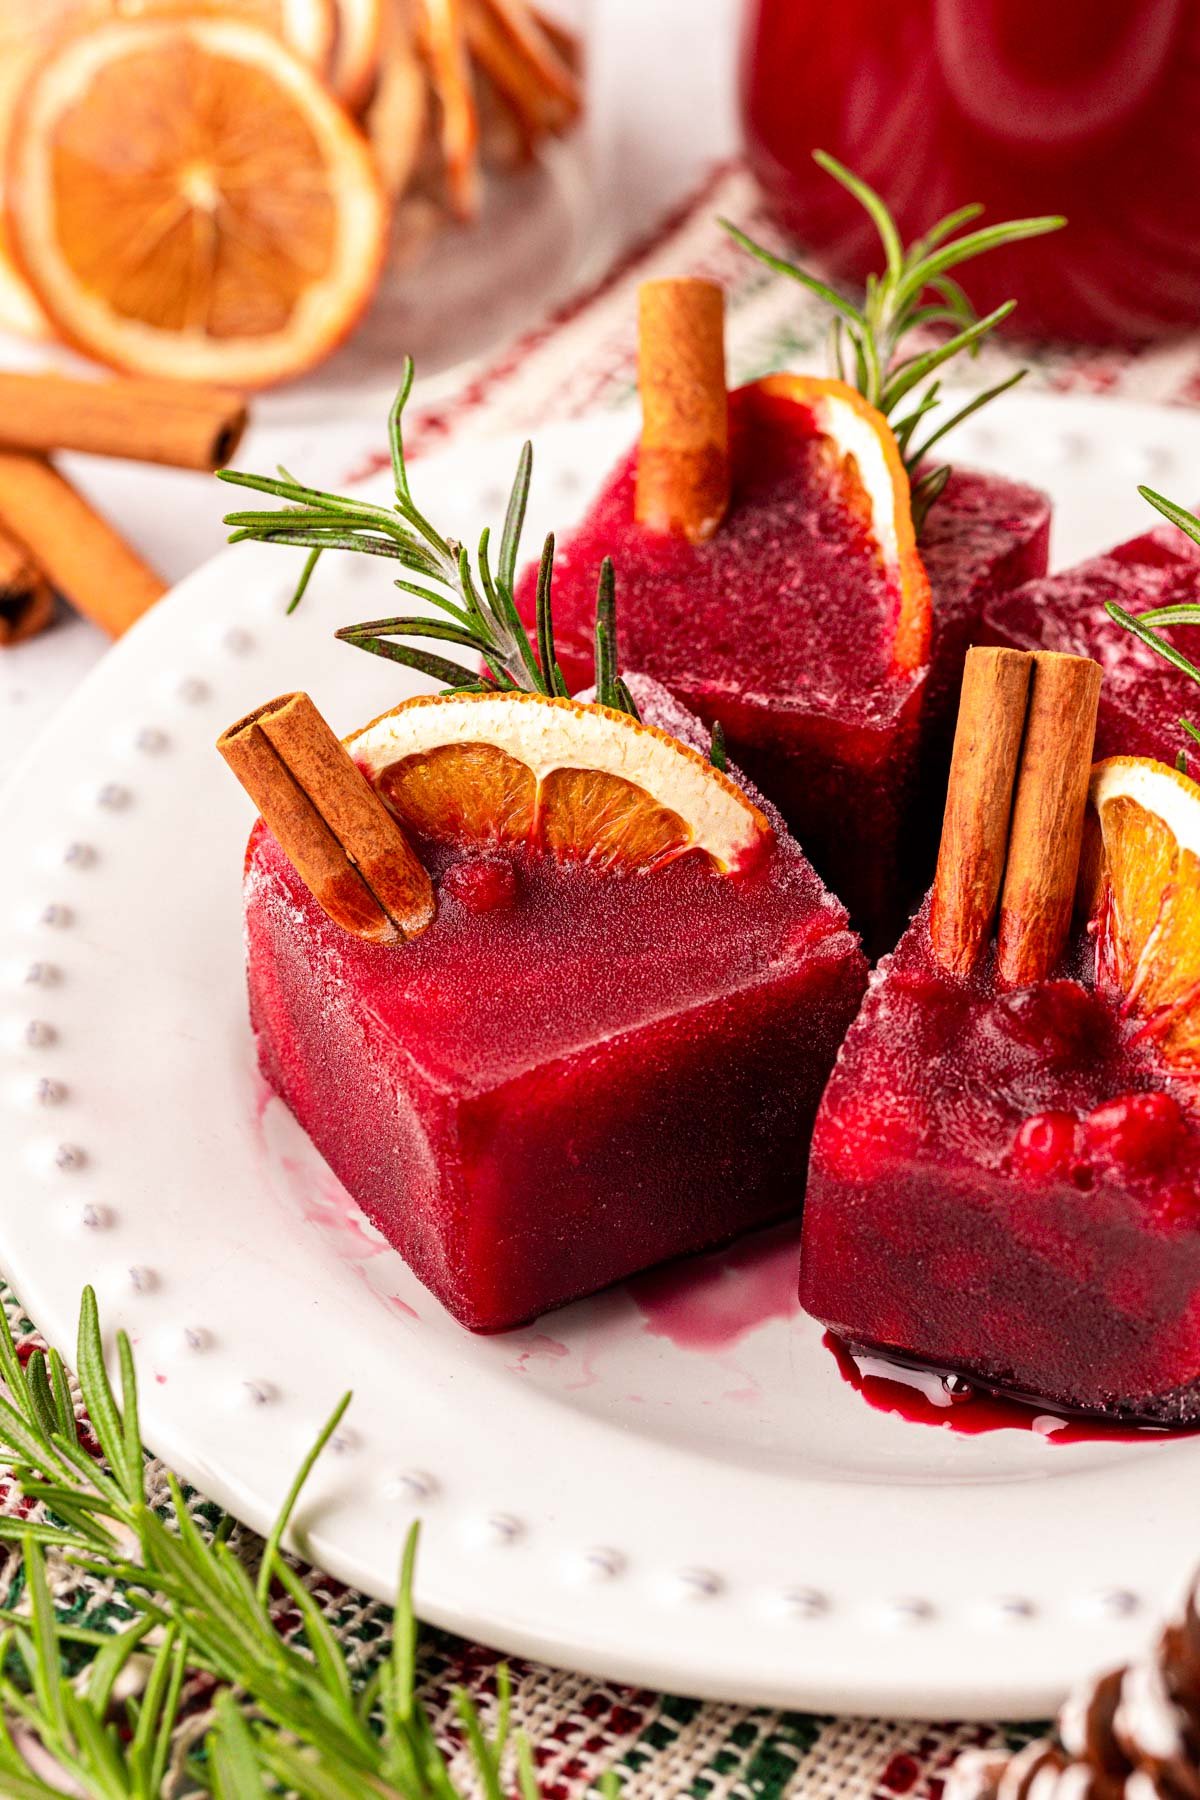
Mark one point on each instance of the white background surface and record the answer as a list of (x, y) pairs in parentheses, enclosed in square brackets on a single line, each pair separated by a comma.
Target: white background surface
[(663, 98)]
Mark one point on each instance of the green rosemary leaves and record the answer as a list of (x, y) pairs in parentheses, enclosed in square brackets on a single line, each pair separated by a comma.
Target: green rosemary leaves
[(292, 1714), (914, 289), (471, 601), (1146, 625)]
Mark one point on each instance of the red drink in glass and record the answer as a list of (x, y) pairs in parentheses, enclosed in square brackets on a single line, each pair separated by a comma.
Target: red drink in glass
[(1075, 108)]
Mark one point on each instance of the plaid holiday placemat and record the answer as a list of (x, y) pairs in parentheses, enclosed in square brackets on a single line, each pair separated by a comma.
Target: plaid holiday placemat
[(580, 359)]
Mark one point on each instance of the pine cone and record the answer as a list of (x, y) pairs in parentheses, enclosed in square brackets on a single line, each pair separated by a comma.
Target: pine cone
[(1132, 1735)]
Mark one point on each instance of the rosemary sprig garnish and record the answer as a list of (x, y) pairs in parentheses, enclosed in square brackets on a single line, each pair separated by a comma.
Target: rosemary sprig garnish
[(914, 289), (287, 1717), (474, 602), (1146, 625)]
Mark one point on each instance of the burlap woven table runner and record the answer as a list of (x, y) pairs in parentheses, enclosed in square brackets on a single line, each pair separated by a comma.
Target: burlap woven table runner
[(580, 359)]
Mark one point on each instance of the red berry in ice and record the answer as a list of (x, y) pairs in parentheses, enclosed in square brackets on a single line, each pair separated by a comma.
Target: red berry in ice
[(864, 1135), (1058, 1019), (1045, 1145), (1137, 1132), (1177, 1206), (482, 885)]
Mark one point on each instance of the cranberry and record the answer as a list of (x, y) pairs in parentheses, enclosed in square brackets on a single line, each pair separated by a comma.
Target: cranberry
[(1177, 1206), (1045, 1145), (1060, 1020), (1136, 1132), (866, 1134), (485, 884)]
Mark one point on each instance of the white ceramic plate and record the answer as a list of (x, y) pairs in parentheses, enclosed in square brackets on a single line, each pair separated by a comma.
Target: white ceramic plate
[(673, 1487)]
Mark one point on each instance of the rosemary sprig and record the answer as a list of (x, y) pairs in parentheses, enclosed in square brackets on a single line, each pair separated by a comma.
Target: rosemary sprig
[(913, 290), (474, 602), (292, 1718), (1146, 625)]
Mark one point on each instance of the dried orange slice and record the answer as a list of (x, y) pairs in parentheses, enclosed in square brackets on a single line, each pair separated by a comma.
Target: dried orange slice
[(874, 475), (27, 31), (357, 42), (526, 64), (187, 200), (28, 27), (396, 118), (580, 781), (444, 34), (1141, 885)]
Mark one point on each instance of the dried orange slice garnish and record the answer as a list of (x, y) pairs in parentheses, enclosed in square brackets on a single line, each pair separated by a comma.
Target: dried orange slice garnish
[(1141, 886), (187, 200), (876, 481), (579, 781), (29, 27), (526, 64)]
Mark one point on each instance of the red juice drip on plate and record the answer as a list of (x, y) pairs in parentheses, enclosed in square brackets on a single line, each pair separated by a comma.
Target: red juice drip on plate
[(930, 1397), (709, 1303)]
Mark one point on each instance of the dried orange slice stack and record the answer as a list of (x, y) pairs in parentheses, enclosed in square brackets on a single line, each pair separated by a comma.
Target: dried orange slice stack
[(1141, 885), (201, 188), (579, 781)]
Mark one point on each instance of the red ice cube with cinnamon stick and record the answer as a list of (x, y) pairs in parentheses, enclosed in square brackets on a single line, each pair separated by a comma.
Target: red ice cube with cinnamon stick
[(577, 1070), (548, 986), (1005, 1176), (1144, 695), (769, 576)]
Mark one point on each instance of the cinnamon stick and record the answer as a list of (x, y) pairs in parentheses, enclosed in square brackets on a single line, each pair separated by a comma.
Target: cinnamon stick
[(975, 830), (329, 820), (80, 552), (683, 462), (26, 597), (1046, 835), (146, 421)]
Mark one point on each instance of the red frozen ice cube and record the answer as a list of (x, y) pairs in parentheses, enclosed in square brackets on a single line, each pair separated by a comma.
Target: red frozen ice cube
[(1143, 696), (781, 628), (573, 1073), (985, 535), (1007, 1185)]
